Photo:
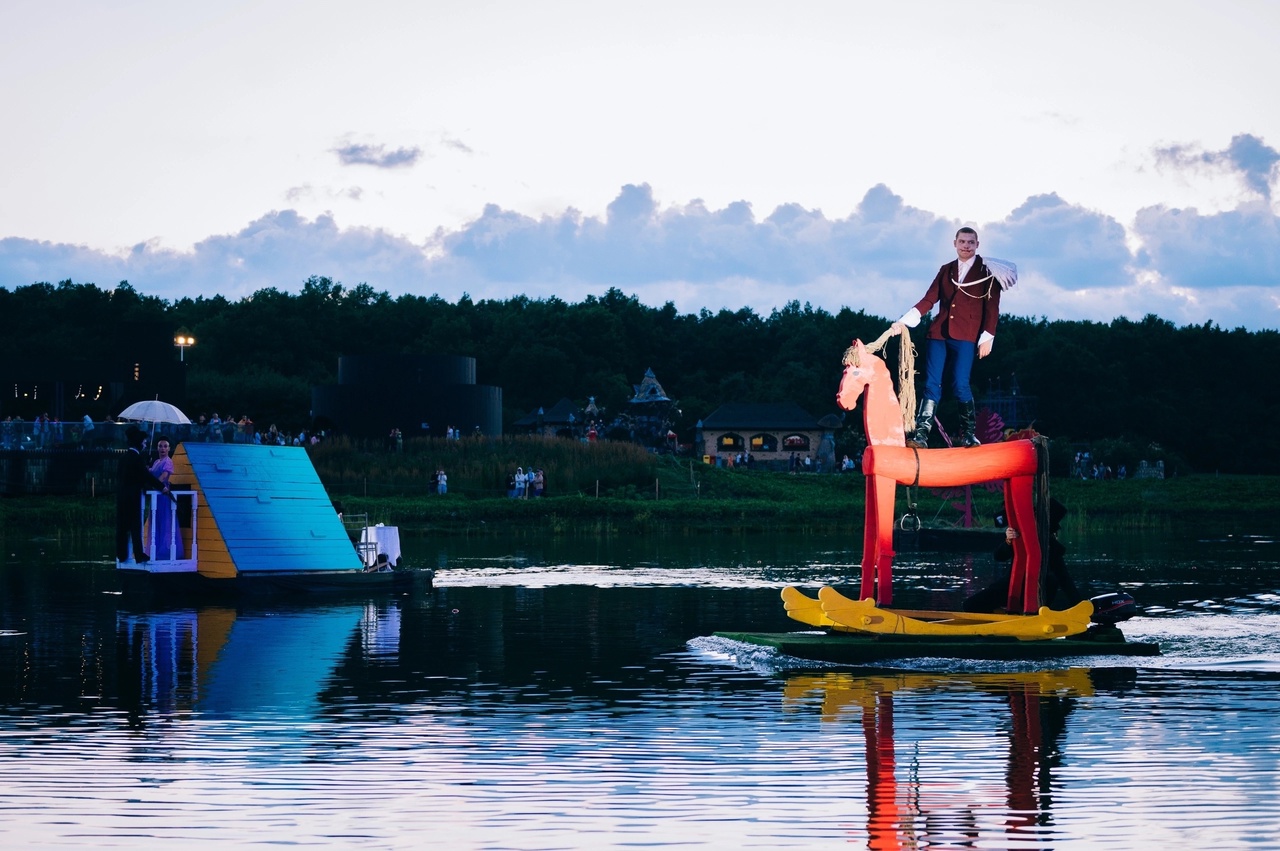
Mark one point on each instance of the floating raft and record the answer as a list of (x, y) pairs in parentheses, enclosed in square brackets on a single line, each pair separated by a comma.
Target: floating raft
[(253, 519), (859, 648)]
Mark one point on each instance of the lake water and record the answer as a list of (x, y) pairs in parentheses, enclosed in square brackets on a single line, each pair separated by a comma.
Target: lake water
[(562, 694)]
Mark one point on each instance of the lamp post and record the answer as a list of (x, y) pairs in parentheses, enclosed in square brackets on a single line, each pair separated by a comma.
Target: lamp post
[(182, 339)]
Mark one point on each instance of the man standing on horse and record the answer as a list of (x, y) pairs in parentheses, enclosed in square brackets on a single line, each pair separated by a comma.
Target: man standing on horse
[(967, 293)]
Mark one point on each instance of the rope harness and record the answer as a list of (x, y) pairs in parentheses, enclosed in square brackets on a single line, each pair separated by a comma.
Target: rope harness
[(989, 280)]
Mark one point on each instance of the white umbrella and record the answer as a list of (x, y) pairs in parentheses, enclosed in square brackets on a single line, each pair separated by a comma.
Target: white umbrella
[(154, 411)]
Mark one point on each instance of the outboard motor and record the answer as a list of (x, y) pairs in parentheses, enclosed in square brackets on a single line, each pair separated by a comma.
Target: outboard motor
[(1110, 609)]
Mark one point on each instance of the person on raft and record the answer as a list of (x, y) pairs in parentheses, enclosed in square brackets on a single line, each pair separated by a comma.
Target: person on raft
[(133, 476), (1057, 589), (967, 292)]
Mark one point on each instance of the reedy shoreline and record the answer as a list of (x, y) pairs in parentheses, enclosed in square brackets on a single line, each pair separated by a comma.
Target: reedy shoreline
[(710, 500)]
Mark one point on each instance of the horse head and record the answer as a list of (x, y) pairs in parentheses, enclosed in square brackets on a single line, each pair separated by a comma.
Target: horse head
[(881, 416), (860, 370)]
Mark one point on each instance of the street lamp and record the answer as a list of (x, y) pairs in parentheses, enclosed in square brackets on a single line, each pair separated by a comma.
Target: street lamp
[(182, 339)]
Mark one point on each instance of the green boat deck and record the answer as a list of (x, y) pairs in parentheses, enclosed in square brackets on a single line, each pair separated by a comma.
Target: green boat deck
[(852, 648)]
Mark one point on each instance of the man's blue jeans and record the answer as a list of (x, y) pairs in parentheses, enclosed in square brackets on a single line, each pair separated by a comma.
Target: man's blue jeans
[(960, 355)]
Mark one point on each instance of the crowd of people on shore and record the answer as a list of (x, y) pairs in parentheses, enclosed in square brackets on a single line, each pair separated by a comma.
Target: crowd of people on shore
[(795, 462), (42, 432), (522, 484), (1084, 467), (214, 429), (45, 432)]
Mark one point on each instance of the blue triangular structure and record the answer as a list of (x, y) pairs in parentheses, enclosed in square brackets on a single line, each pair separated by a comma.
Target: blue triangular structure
[(263, 510)]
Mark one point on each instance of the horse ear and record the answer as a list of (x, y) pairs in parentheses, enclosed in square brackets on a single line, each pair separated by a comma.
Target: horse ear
[(854, 354)]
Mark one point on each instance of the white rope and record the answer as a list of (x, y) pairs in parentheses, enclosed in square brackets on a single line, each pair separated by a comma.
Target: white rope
[(1001, 270), (963, 291)]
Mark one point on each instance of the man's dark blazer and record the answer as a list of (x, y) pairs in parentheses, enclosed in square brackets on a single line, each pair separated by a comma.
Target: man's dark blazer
[(963, 312), (133, 476)]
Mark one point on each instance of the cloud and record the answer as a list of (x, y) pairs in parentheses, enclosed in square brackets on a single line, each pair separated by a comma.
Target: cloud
[(377, 155), (1239, 247), (637, 242), (1071, 246), (1247, 155), (307, 192), (1074, 262), (281, 250), (455, 144)]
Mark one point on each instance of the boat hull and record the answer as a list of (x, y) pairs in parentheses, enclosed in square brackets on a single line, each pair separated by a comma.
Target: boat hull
[(865, 648), (318, 583)]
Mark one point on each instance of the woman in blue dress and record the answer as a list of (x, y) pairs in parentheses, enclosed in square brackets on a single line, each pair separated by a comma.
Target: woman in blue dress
[(162, 469)]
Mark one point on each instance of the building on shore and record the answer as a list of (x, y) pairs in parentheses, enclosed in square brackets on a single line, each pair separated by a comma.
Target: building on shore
[(769, 433)]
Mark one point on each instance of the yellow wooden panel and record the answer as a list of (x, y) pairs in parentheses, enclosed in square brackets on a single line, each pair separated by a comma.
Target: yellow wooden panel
[(213, 561), (213, 625)]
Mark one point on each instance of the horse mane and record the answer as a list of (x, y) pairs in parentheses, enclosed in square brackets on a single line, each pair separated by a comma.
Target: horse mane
[(906, 392)]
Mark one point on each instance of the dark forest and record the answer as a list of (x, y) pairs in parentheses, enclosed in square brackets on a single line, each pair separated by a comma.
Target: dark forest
[(1201, 397)]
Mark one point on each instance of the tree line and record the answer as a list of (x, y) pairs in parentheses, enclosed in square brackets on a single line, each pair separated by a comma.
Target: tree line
[(1200, 397)]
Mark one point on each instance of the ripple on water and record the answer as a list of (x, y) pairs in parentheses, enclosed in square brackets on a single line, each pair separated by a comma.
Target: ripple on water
[(608, 719), (616, 576)]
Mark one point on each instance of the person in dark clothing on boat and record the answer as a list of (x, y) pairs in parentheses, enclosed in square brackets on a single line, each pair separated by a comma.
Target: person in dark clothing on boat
[(1056, 583), (133, 476)]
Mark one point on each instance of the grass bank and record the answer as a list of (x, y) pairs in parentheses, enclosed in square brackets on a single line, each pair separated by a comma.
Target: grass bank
[(621, 489), (736, 501)]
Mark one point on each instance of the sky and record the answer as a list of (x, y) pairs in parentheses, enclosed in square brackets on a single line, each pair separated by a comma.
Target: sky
[(710, 154)]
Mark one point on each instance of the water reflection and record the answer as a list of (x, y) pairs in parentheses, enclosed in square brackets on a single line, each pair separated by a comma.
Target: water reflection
[(912, 799), (591, 706), (230, 663)]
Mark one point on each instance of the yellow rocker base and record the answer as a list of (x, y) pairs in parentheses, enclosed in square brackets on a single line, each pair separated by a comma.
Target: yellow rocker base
[(832, 610)]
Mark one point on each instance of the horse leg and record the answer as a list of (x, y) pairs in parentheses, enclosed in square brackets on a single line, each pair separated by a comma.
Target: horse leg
[(869, 540), (885, 493), (1024, 581)]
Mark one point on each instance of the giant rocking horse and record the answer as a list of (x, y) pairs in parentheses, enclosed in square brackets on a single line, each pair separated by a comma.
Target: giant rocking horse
[(887, 462)]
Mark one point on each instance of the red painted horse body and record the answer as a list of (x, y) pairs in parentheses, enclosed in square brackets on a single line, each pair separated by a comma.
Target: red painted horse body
[(888, 461)]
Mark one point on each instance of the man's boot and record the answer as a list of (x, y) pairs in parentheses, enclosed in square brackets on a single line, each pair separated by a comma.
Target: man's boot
[(968, 424), (924, 424)]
